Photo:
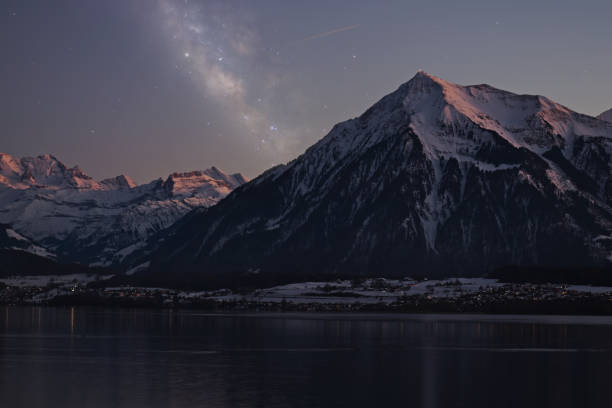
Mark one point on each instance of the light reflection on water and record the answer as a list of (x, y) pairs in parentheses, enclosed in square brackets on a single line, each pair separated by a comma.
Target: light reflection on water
[(82, 357)]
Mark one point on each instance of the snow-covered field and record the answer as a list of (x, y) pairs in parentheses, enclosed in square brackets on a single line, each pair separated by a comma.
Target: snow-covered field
[(371, 291)]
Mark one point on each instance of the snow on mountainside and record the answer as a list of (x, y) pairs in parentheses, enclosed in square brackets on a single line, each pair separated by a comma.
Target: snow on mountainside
[(42, 171), (118, 182), (435, 178), (607, 116), (83, 220), (12, 240)]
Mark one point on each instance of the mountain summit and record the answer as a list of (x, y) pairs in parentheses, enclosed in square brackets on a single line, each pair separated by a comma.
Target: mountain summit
[(98, 223), (45, 171), (434, 179)]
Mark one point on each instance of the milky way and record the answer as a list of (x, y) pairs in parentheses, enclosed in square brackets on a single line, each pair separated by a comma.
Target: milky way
[(215, 47)]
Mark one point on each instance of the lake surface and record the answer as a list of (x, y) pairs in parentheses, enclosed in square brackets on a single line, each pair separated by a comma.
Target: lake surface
[(88, 357)]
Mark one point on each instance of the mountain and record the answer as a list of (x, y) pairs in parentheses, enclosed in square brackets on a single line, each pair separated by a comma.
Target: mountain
[(42, 171), (607, 116), (11, 240), (98, 223), (20, 256), (435, 179)]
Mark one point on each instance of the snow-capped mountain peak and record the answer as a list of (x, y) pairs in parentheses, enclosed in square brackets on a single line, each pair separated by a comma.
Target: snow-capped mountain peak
[(10, 169), (42, 171), (118, 182), (435, 178), (431, 101), (211, 183), (232, 179), (87, 221)]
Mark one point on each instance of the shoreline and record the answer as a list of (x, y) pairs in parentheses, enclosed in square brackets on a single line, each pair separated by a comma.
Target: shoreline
[(379, 295), (592, 305)]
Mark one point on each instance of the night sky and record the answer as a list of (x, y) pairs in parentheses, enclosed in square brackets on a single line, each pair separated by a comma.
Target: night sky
[(147, 87)]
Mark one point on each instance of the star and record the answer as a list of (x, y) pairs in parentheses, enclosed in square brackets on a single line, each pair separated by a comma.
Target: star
[(187, 55)]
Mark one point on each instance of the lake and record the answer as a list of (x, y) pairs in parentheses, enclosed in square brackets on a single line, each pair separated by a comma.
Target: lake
[(102, 357)]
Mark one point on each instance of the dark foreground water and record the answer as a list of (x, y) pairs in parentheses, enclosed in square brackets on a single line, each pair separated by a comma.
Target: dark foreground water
[(63, 357)]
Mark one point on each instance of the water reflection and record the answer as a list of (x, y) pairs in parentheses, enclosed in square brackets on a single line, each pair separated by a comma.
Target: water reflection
[(72, 320), (77, 357)]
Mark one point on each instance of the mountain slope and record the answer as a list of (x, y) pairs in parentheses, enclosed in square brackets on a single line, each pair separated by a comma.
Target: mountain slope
[(434, 179), (98, 223), (11, 240), (607, 116), (20, 256)]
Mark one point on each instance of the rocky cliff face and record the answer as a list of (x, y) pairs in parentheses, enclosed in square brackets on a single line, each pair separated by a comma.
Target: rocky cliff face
[(434, 179)]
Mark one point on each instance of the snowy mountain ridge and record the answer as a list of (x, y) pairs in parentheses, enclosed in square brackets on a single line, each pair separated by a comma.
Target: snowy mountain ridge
[(454, 122), (434, 177), (83, 220), (48, 172), (607, 116)]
